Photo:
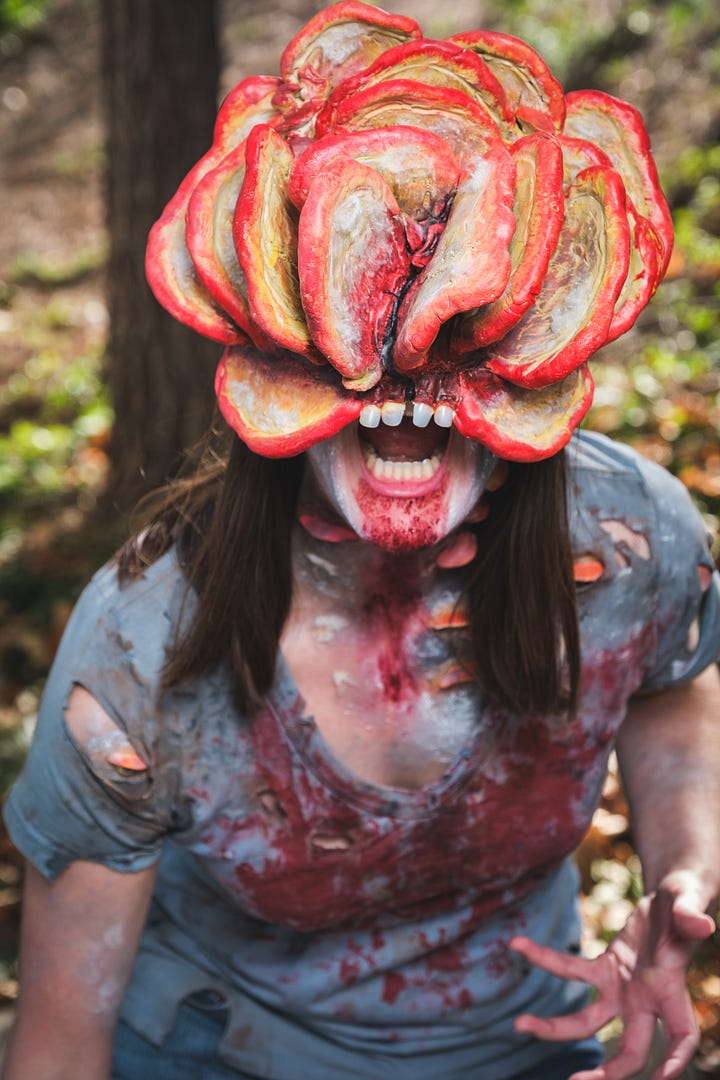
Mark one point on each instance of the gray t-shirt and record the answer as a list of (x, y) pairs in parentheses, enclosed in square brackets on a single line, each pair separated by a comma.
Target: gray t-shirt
[(356, 930)]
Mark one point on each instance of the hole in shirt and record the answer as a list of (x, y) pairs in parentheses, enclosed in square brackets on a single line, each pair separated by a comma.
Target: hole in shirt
[(627, 538), (587, 568), (271, 803), (693, 635), (104, 745), (704, 576), (330, 842)]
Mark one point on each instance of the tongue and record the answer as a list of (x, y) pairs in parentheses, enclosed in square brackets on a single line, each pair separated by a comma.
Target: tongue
[(405, 442)]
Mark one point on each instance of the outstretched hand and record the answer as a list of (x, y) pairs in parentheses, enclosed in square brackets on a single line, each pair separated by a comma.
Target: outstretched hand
[(641, 978)]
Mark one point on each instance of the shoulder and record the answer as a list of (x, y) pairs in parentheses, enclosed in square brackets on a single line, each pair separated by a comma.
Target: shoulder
[(144, 614), (160, 584), (650, 576), (611, 479), (116, 642)]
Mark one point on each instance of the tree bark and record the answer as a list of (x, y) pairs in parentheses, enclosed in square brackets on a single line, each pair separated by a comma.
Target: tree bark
[(160, 79)]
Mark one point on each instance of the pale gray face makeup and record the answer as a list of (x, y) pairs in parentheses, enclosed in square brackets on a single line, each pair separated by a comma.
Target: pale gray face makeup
[(401, 489)]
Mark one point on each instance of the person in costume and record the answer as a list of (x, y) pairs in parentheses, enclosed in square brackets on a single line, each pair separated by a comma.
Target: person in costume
[(319, 743)]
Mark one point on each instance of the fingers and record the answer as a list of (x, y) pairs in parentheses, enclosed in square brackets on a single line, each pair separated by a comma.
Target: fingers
[(634, 1049), (688, 899), (691, 923), (678, 1021), (680, 1054), (579, 1025), (632, 1054), (556, 963)]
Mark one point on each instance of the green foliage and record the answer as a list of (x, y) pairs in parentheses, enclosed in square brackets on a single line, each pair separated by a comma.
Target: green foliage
[(21, 16), (30, 268), (57, 418)]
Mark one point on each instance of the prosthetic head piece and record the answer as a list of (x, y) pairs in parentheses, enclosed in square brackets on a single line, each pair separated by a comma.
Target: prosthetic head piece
[(398, 220)]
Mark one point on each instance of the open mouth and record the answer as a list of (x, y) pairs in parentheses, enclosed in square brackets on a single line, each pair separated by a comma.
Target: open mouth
[(400, 453)]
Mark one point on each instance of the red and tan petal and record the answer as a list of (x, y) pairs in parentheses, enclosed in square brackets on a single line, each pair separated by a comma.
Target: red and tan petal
[(471, 263), (570, 318), (644, 269), (531, 90), (340, 41), (466, 126), (578, 155), (642, 277), (420, 169), (539, 209), (434, 63), (174, 281), (352, 262), (210, 242), (278, 406), (248, 103), (169, 268), (618, 129), (519, 424), (265, 235)]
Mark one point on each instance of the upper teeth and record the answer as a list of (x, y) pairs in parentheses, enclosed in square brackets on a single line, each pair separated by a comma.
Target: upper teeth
[(392, 413)]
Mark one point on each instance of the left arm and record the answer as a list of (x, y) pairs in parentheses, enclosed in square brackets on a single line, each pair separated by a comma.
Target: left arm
[(669, 755)]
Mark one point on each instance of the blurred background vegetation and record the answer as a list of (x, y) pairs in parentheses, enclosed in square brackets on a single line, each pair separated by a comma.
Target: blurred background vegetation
[(658, 387)]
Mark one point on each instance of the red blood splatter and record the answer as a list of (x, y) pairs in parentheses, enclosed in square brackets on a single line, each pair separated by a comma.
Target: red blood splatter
[(479, 842), (447, 959), (402, 524), (349, 971), (378, 940), (393, 986)]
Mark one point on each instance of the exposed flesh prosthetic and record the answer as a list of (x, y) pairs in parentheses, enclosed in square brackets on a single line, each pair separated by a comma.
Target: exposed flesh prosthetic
[(396, 219), (400, 486)]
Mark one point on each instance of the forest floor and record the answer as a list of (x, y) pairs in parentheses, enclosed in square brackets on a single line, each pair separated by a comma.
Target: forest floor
[(55, 419)]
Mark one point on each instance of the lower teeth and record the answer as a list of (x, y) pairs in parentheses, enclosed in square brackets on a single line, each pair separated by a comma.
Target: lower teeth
[(402, 470)]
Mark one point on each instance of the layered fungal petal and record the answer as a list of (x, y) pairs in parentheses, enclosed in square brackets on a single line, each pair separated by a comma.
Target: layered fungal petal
[(642, 276), (281, 407), (434, 63), (169, 267), (420, 169), (466, 126), (571, 316), (645, 249), (209, 238), (532, 92), (618, 128), (337, 43), (265, 234), (353, 261), (538, 209), (469, 267), (519, 424), (578, 155)]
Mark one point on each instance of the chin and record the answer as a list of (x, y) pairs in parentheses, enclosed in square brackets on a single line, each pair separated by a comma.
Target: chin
[(401, 487)]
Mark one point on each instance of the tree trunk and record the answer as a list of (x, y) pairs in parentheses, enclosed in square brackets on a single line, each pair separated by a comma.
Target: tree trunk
[(160, 71)]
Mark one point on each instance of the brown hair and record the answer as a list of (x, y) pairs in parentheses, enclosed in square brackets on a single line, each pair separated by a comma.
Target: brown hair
[(232, 520), (525, 638)]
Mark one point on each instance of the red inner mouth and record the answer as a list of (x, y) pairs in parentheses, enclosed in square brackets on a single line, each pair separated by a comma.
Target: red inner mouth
[(405, 442)]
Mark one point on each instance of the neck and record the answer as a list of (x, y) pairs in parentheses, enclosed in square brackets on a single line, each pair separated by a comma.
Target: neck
[(352, 571)]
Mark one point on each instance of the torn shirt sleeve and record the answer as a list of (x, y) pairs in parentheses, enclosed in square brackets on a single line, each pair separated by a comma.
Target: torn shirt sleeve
[(78, 800), (688, 586)]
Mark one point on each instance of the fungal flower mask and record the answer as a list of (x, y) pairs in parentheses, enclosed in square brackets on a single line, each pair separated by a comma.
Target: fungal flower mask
[(401, 226)]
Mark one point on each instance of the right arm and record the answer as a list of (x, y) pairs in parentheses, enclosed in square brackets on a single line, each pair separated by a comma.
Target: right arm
[(78, 943)]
